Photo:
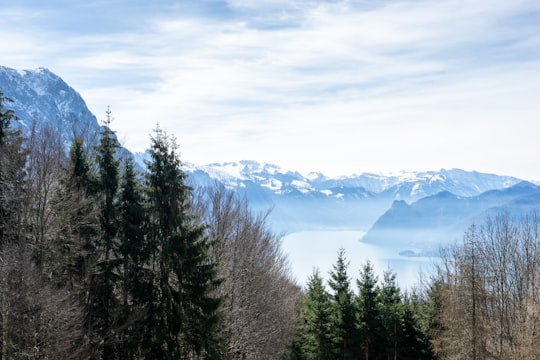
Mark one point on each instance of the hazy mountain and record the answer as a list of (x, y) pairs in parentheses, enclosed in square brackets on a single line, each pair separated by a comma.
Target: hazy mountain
[(409, 186), (315, 201), (299, 202), (420, 227)]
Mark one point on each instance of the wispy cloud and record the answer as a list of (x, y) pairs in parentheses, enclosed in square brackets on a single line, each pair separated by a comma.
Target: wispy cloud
[(338, 86)]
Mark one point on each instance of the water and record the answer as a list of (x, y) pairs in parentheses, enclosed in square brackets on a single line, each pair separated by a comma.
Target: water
[(308, 250)]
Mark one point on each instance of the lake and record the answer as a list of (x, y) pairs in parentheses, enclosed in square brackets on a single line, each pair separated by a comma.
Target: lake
[(307, 250)]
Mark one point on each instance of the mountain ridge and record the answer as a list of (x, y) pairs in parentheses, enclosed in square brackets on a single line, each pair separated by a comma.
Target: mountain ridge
[(418, 182)]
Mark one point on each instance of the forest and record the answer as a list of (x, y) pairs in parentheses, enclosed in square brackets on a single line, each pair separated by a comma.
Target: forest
[(102, 260)]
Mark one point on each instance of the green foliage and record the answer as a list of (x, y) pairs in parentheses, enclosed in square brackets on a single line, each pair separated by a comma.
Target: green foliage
[(13, 182), (103, 305), (79, 168), (377, 323), (344, 334), (315, 332), (368, 310), (134, 249), (183, 313), (6, 116), (136, 276), (108, 187)]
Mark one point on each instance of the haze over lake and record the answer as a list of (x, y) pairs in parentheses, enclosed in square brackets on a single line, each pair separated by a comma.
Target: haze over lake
[(308, 250)]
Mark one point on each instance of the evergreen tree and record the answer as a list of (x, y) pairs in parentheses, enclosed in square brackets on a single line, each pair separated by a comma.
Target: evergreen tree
[(136, 279), (315, 331), (103, 303), (134, 249), (6, 116), (108, 187), (183, 313), (12, 177), (367, 312), (390, 311), (13, 309), (343, 312), (72, 254), (79, 174), (416, 341)]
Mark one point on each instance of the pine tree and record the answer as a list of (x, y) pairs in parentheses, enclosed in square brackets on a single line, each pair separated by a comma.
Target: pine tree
[(134, 249), (108, 187), (12, 234), (136, 276), (315, 332), (183, 313), (72, 253), (367, 311), (416, 341), (12, 177), (103, 304), (390, 311), (6, 116), (343, 312)]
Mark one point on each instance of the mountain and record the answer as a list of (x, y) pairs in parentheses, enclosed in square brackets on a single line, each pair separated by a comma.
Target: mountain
[(408, 186), (419, 228), (42, 97), (315, 201), (298, 202)]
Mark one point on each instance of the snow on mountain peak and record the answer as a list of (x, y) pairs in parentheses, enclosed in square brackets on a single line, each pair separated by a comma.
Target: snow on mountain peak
[(302, 186)]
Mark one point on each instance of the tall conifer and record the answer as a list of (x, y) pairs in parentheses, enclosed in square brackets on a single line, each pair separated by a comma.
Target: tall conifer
[(136, 279), (368, 317), (183, 314), (103, 305), (343, 312), (12, 177), (315, 332), (390, 310)]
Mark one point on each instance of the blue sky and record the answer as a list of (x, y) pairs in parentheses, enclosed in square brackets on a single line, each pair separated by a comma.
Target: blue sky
[(340, 87)]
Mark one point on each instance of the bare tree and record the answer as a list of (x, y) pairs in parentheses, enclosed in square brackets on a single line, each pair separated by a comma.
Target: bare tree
[(45, 158), (260, 311), (38, 320), (489, 288)]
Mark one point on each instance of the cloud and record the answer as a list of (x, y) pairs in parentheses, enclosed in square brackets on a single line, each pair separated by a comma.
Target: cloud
[(329, 85)]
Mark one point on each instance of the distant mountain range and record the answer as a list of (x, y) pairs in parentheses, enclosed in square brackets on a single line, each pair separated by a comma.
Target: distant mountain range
[(315, 201), (412, 210)]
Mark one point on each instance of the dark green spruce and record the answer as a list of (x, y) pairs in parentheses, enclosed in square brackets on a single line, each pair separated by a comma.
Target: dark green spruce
[(345, 336), (103, 305), (183, 315)]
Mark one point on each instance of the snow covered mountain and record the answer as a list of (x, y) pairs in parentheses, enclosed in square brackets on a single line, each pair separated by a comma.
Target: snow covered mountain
[(315, 201), (42, 97), (39, 96), (408, 186), (299, 202)]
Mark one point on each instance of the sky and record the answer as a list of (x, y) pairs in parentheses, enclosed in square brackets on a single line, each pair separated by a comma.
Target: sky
[(341, 87)]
